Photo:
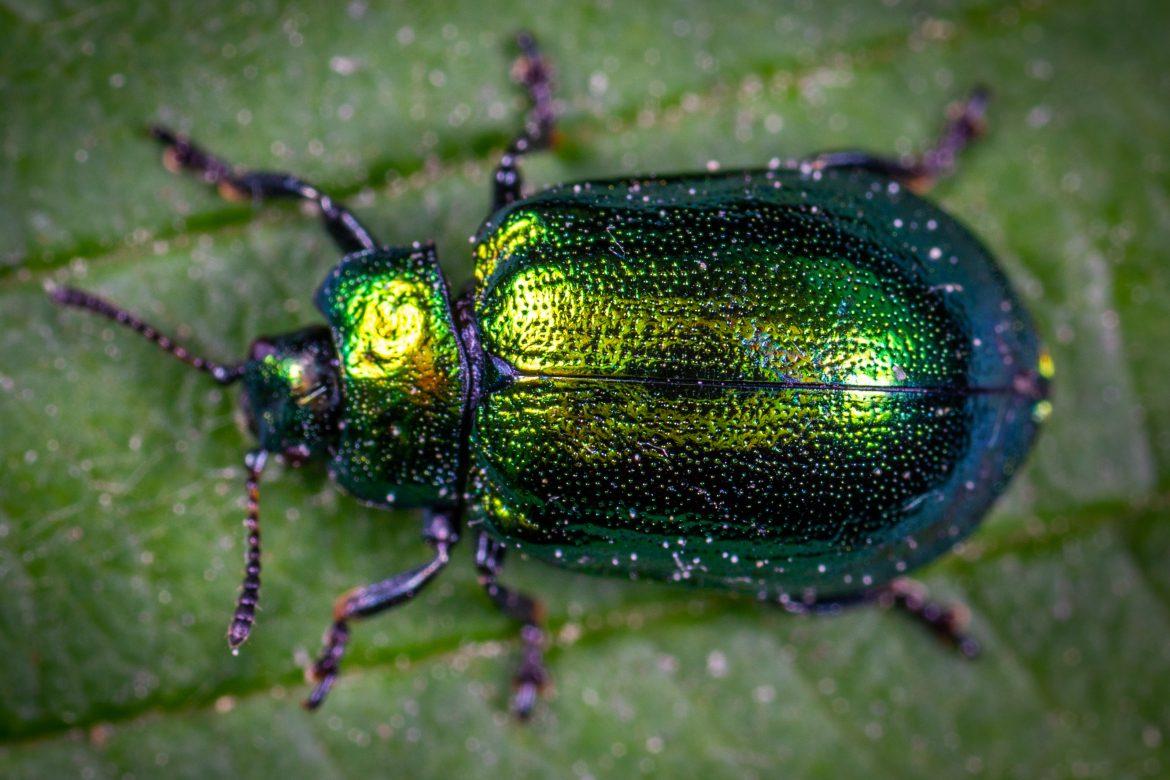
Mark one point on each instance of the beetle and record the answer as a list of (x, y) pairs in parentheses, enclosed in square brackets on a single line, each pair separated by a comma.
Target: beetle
[(798, 382)]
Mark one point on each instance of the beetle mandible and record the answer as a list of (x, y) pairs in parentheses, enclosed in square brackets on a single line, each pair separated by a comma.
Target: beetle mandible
[(798, 382)]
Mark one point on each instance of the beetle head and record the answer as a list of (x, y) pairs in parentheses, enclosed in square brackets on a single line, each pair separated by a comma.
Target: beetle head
[(291, 393)]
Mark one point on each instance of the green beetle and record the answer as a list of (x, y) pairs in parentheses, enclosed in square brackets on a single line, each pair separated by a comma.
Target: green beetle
[(798, 382)]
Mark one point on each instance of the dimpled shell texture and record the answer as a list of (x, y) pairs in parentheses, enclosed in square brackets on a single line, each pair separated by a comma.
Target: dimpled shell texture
[(780, 382), (402, 375)]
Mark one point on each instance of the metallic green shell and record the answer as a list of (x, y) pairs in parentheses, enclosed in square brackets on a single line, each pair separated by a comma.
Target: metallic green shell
[(403, 378), (767, 381)]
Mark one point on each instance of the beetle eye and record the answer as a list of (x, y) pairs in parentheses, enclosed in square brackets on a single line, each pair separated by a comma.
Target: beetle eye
[(306, 397)]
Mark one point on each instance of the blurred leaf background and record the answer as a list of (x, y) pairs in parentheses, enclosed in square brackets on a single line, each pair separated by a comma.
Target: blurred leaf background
[(122, 486)]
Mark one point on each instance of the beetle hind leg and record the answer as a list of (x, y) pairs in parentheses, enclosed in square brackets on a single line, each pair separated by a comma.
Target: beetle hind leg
[(181, 154), (531, 678), (439, 532), (965, 122), (946, 621)]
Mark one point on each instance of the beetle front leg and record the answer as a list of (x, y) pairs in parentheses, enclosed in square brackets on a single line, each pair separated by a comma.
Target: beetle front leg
[(531, 678), (439, 531), (182, 154), (532, 70), (965, 123)]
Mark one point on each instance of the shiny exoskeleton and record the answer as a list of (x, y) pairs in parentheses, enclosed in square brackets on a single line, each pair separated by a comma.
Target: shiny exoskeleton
[(798, 382)]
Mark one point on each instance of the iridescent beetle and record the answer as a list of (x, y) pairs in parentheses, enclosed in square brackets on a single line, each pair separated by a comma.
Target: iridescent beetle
[(799, 382)]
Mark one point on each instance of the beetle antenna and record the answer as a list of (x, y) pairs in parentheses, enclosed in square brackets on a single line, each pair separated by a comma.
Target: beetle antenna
[(79, 299), (245, 614)]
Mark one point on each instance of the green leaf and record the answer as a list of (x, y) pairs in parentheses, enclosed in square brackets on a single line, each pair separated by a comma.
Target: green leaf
[(122, 487)]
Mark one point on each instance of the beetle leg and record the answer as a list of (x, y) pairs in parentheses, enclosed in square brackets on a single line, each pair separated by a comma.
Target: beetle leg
[(530, 678), (532, 69), (965, 123), (181, 154), (946, 621), (440, 532)]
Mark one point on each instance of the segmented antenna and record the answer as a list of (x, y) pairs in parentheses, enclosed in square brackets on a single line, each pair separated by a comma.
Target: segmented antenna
[(79, 299), (245, 614)]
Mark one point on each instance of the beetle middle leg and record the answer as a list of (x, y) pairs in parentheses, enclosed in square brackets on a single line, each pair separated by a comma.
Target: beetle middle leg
[(441, 533), (965, 123), (533, 70), (182, 154), (530, 678)]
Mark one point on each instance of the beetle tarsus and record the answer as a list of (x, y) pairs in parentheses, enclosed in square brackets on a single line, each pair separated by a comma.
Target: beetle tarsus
[(533, 70), (531, 678), (182, 154), (325, 669), (946, 621), (966, 121)]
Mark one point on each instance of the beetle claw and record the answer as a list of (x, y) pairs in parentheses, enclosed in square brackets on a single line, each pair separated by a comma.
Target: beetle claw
[(524, 698), (325, 669), (531, 680), (320, 691), (528, 686), (947, 621)]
